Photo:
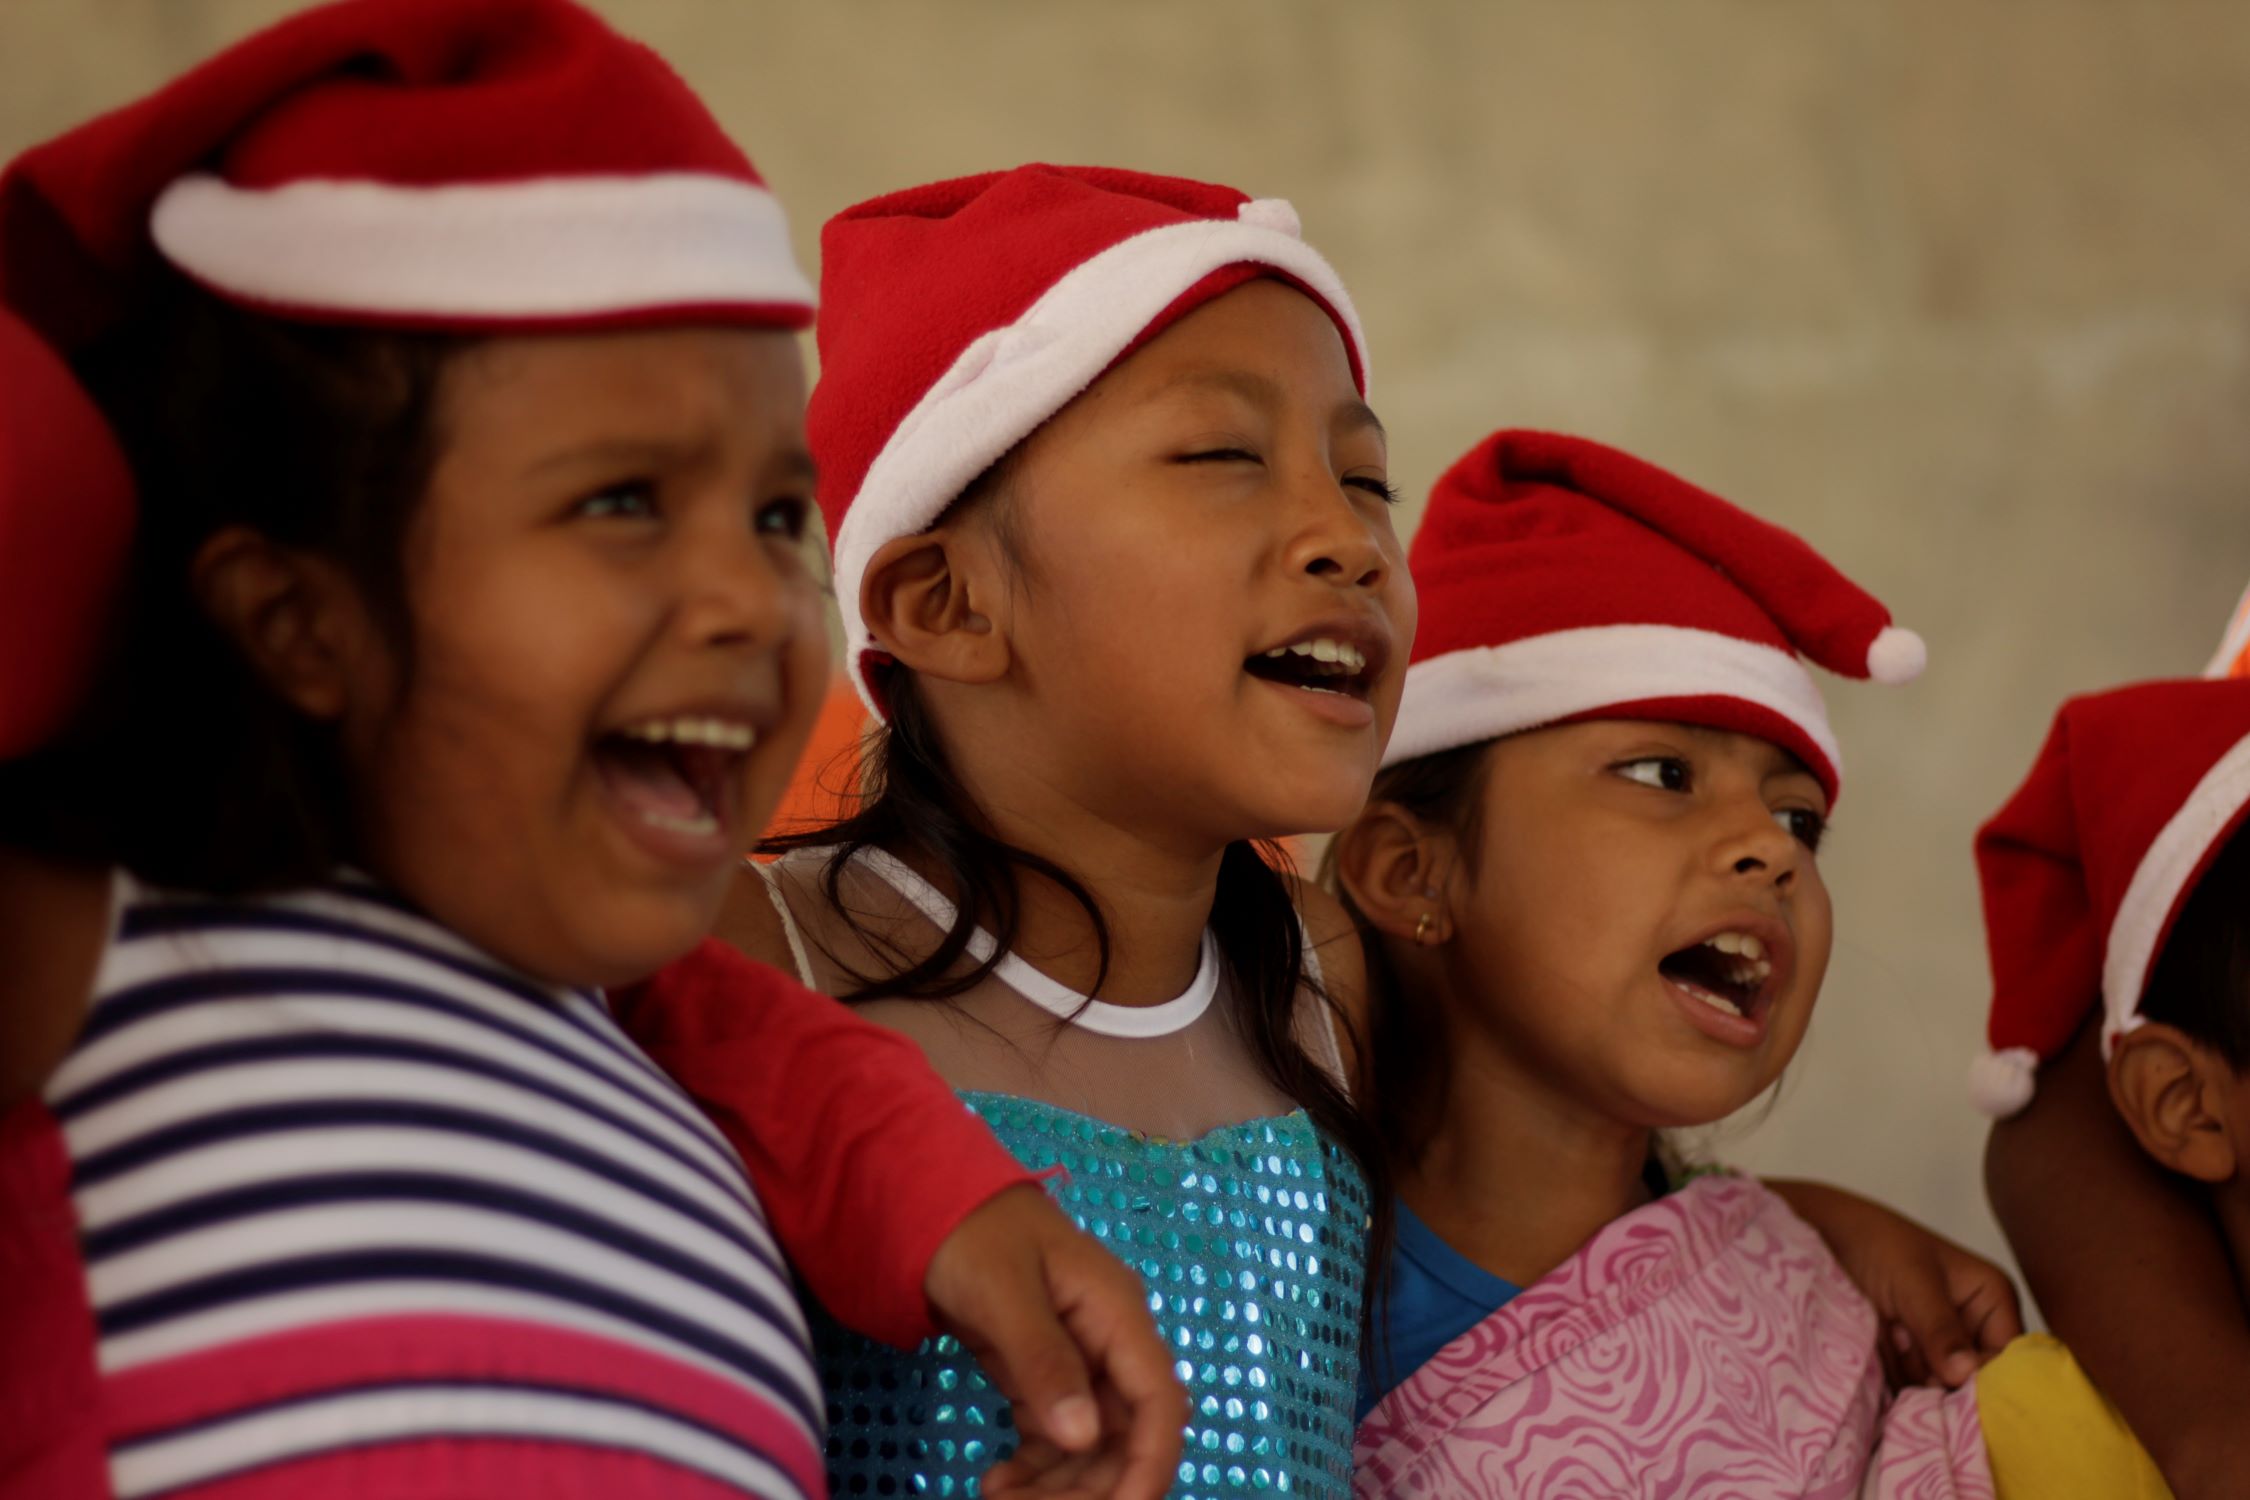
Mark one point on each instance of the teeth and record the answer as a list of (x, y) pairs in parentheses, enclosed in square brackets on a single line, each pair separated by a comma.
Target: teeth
[(1322, 649), (717, 733), (1740, 943), (1716, 1002), (701, 825)]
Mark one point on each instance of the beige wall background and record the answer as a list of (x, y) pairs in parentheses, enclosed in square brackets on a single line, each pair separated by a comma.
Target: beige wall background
[(1960, 289)]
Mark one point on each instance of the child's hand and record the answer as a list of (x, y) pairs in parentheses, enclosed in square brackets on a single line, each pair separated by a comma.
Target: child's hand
[(1063, 1328), (1945, 1311)]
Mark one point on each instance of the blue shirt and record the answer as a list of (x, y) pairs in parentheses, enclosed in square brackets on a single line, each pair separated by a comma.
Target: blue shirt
[(1435, 1294)]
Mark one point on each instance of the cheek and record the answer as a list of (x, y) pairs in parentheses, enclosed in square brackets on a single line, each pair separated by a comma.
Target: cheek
[(510, 668), (1815, 931)]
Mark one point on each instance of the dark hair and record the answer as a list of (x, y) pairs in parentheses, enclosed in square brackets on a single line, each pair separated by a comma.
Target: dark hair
[(184, 766), (1406, 1036), (2201, 982), (909, 797)]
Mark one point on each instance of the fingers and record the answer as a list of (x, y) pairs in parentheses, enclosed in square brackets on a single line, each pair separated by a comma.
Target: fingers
[(1036, 1360), (1102, 1302), (1988, 1303), (1902, 1360), (1941, 1340)]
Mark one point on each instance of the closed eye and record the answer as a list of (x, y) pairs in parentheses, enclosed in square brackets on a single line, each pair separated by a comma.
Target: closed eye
[(1381, 489), (1221, 456), (1666, 773)]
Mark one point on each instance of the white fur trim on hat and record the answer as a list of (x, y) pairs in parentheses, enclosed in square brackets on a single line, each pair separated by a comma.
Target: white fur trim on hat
[(2001, 1083), (2163, 873), (543, 248), (1481, 694), (1008, 381)]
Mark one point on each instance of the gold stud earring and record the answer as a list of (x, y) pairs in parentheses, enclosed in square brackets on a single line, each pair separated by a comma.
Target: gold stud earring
[(1422, 926)]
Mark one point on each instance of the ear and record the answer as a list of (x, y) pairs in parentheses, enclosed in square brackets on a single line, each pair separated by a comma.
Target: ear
[(930, 601), (1395, 868), (2173, 1092), (296, 618)]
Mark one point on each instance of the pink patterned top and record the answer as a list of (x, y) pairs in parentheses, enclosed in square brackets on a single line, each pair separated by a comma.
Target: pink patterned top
[(1706, 1344)]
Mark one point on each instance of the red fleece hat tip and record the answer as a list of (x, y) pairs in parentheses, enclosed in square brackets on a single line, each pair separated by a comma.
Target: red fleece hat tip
[(1561, 580), (2087, 866)]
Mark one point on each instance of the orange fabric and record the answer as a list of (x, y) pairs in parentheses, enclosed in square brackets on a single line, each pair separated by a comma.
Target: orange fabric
[(828, 774)]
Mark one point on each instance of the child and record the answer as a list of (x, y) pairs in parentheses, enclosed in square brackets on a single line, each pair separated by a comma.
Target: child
[(2116, 884), (1115, 562), (1116, 565), (2176, 1354), (450, 347), (1590, 872)]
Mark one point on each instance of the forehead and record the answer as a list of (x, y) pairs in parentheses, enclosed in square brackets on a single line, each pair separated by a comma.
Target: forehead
[(1265, 328), (552, 389)]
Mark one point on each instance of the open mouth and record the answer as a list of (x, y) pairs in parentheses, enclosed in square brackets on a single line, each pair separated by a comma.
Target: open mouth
[(679, 775), (1728, 971), (1318, 664)]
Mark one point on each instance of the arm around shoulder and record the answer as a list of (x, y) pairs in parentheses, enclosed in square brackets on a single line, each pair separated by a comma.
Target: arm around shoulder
[(864, 1160), (2131, 1272)]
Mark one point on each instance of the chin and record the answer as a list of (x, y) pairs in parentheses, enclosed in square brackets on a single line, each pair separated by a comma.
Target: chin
[(1690, 1104), (1315, 806), (626, 938)]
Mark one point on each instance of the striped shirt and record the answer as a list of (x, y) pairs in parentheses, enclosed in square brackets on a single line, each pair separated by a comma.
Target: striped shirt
[(359, 1209)]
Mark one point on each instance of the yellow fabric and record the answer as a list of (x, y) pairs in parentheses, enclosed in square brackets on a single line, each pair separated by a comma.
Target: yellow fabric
[(2051, 1436)]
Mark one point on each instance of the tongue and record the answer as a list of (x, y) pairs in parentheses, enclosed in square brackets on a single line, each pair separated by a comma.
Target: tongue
[(649, 779)]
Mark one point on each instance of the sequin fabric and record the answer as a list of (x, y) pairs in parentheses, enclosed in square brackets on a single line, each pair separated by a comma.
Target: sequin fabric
[(1252, 1241)]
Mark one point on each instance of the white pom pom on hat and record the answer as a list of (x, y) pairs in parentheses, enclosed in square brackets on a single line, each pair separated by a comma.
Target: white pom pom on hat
[(1897, 656), (2001, 1083)]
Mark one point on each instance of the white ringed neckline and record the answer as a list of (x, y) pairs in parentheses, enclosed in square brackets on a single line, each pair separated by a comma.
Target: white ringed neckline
[(1134, 1022)]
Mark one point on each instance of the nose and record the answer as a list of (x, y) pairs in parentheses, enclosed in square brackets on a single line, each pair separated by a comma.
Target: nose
[(1336, 540), (1750, 845), (740, 590)]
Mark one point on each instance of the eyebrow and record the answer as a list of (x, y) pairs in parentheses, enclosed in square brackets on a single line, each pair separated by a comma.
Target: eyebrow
[(1780, 761), (621, 452), (795, 465), (1258, 390)]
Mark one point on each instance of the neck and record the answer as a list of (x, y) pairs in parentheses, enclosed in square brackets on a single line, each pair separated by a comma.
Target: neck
[(1517, 1176), (2230, 1204), (1153, 886)]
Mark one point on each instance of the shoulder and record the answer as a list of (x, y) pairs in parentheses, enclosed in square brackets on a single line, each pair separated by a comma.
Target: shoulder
[(751, 921), (53, 919), (1332, 940)]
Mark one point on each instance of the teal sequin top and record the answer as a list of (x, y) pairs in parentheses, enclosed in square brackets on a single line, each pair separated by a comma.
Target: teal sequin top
[(1252, 1240)]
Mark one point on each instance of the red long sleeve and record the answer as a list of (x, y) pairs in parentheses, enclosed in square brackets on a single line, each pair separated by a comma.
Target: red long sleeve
[(864, 1159)]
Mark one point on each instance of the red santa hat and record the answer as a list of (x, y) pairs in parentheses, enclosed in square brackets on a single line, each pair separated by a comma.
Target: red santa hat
[(66, 513), (2087, 866), (469, 165), (1563, 580), (960, 316), (462, 165)]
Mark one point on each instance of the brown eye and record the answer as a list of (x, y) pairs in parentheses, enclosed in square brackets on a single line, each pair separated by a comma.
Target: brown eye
[(1802, 824), (632, 501), (784, 517), (1666, 773)]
